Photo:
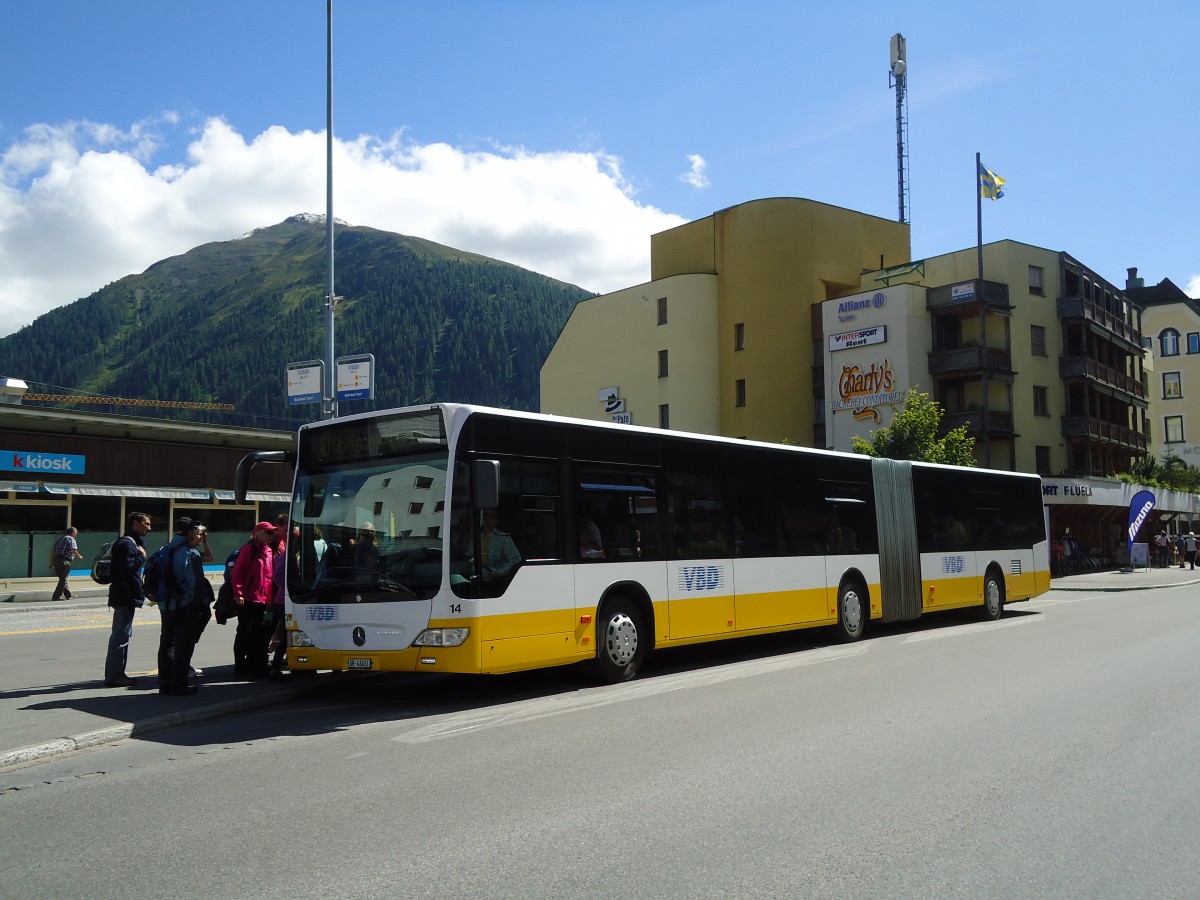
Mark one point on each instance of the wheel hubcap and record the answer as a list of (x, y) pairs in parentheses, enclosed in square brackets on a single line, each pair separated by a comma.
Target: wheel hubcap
[(992, 597), (851, 610), (621, 639)]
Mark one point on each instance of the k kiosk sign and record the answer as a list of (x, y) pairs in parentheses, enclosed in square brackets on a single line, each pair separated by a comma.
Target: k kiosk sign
[(31, 462)]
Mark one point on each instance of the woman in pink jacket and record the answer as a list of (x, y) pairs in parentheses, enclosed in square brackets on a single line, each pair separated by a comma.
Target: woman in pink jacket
[(253, 594)]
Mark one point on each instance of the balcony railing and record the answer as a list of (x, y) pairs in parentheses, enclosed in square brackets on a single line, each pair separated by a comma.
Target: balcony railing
[(1079, 308), (950, 297), (970, 360), (999, 421), (1109, 432), (1081, 366)]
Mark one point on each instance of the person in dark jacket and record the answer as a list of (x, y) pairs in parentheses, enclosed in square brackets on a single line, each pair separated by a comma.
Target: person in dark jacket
[(182, 605), (125, 596)]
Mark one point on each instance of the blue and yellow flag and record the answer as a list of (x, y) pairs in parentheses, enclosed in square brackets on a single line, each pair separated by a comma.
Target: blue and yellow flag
[(991, 185)]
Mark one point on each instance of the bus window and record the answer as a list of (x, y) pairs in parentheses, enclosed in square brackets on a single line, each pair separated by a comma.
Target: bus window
[(751, 502), (695, 496), (617, 513)]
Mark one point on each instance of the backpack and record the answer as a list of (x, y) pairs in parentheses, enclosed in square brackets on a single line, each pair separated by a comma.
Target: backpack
[(225, 609), (102, 564), (158, 581)]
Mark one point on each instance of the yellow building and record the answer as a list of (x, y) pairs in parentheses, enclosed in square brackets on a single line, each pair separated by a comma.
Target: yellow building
[(1171, 325), (790, 320), (721, 340), (1044, 365)]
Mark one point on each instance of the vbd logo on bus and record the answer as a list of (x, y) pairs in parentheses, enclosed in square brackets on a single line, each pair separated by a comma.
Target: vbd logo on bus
[(701, 578), (953, 565), (322, 614)]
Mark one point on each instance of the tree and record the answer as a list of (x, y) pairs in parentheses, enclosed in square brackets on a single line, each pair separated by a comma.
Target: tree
[(913, 434)]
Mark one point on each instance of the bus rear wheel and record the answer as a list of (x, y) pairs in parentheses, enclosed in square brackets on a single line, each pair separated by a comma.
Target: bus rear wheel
[(620, 641), (852, 612), (993, 597)]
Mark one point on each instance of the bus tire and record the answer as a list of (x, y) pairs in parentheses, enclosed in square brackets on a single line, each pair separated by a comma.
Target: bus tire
[(621, 640), (993, 597), (853, 610)]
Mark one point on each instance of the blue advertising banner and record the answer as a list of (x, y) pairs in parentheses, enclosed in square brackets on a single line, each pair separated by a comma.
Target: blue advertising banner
[(1139, 510)]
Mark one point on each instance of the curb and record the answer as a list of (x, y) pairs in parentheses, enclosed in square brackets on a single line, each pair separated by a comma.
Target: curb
[(1117, 588), (122, 730)]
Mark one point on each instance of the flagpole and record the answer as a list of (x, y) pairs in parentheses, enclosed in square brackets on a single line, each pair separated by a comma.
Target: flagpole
[(983, 349)]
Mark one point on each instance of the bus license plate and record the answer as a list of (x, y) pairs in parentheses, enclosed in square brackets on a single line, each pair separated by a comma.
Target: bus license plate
[(358, 663)]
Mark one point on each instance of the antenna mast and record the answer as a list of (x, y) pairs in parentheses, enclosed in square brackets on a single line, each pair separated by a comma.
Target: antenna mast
[(898, 78)]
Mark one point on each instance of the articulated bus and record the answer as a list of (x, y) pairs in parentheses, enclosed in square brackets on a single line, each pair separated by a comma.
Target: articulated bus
[(456, 538)]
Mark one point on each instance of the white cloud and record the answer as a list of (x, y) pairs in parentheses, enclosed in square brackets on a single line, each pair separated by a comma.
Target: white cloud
[(81, 205), (695, 175), (1193, 287)]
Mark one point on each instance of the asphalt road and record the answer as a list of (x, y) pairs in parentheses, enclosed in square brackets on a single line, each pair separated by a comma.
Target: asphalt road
[(1048, 754)]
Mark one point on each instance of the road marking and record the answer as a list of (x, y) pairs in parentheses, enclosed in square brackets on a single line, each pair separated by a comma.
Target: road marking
[(956, 630), (455, 724), (104, 627)]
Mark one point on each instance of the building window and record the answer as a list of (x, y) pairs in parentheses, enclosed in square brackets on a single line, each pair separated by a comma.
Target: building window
[(1173, 429), (377, 508), (740, 392), (1037, 340), (739, 336), (1041, 400), (1168, 342), (1036, 281), (1194, 342), (423, 482), (664, 415), (414, 509), (662, 363), (1042, 460), (662, 310), (1172, 386)]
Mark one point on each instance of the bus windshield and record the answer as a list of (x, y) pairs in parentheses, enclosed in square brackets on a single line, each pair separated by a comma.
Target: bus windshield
[(367, 511)]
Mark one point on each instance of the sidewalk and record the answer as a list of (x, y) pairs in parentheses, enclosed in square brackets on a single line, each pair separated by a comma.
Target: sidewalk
[(61, 704), (41, 717), (1123, 580)]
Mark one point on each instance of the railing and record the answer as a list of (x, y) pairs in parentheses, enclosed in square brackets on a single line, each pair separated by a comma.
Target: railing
[(1079, 308), (1081, 366), (999, 421), (1090, 427), (970, 359), (944, 297)]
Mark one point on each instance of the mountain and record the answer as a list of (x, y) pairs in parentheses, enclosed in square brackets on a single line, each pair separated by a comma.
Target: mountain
[(221, 322)]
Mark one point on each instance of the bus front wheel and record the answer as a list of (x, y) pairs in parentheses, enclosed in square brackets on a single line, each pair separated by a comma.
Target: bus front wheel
[(993, 597), (852, 612), (620, 639)]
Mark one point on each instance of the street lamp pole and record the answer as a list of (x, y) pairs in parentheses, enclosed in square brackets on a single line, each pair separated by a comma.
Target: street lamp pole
[(329, 398)]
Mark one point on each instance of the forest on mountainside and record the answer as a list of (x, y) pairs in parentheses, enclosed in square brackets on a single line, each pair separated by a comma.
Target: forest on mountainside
[(221, 322)]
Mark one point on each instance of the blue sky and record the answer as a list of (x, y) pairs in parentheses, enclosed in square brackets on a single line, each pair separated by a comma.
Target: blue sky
[(561, 135)]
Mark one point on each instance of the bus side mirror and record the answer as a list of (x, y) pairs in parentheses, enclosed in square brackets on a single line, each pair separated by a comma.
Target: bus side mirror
[(241, 476), (485, 483)]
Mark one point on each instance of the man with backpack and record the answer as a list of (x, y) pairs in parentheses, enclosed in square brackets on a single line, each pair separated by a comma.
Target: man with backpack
[(125, 596), (183, 605)]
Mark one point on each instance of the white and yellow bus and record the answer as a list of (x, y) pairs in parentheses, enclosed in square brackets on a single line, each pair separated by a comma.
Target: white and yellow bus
[(455, 538)]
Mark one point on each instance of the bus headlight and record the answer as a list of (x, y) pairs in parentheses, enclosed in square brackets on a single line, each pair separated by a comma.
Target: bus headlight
[(442, 637), (298, 639)]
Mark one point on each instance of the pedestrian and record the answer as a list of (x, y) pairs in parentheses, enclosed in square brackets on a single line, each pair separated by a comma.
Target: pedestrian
[(277, 645), (1190, 549), (183, 605), (1163, 545), (1181, 550), (125, 595), (251, 583), (64, 552)]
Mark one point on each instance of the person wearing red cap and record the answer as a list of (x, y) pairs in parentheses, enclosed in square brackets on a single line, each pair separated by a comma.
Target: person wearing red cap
[(252, 593)]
